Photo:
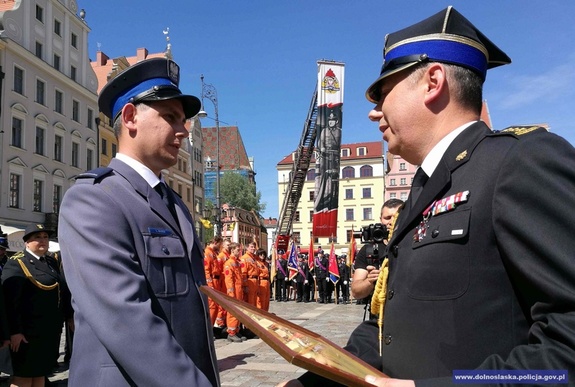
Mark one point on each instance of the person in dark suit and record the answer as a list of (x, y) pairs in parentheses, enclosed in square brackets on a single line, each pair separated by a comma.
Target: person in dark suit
[(281, 277), (481, 273), (321, 268), (34, 293), (131, 255)]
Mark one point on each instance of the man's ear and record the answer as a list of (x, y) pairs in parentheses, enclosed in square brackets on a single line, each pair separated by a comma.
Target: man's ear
[(129, 116), (435, 79)]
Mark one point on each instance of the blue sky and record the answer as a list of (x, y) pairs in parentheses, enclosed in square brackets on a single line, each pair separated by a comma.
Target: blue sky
[(261, 56)]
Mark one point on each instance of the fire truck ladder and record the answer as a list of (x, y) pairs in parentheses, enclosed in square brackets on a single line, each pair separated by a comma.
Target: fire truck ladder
[(302, 159)]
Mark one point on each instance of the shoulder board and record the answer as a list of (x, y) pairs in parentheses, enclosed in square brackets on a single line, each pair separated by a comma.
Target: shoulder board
[(518, 130), (95, 173), (18, 255)]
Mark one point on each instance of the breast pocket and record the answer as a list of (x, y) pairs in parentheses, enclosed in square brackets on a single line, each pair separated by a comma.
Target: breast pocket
[(439, 268), (167, 267)]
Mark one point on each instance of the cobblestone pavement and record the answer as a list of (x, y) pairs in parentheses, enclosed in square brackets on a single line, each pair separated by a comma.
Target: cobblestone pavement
[(253, 363)]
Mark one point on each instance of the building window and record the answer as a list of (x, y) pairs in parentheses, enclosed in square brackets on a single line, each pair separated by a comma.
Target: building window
[(349, 193), (402, 167), (310, 174), (367, 215), (345, 152), (403, 196), (38, 188), (57, 27), (40, 91), (114, 150), (57, 62), (104, 147), (39, 49), (296, 236), (402, 181), (348, 173), (57, 198), (366, 171), (75, 154), (392, 182), (16, 132), (40, 140), (74, 40), (90, 160), (90, 119), (14, 190), (393, 195), (366, 192), (39, 13), (18, 80), (73, 73), (349, 214), (58, 140), (311, 216), (58, 101), (189, 195), (361, 151), (312, 195), (76, 110), (296, 217)]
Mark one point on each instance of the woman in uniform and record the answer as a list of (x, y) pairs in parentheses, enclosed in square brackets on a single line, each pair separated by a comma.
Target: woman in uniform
[(33, 289)]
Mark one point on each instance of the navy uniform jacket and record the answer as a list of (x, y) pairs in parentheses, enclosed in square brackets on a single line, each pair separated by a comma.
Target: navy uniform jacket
[(30, 310), (140, 318), (491, 285)]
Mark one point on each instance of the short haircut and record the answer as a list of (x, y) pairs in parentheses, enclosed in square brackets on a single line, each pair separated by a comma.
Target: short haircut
[(392, 203)]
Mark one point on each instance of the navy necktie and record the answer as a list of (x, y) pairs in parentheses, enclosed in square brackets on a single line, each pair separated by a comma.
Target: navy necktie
[(419, 181), (166, 196)]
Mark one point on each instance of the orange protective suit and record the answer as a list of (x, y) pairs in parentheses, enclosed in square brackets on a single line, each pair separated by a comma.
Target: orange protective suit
[(251, 274), (234, 288)]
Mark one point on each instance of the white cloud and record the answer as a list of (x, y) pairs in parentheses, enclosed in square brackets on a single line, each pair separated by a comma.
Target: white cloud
[(551, 85)]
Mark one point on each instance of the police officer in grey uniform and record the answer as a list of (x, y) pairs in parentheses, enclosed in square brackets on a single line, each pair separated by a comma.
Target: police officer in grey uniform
[(132, 259)]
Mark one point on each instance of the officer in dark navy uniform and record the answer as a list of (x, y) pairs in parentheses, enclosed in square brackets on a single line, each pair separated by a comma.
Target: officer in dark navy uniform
[(481, 270), (36, 295), (132, 257)]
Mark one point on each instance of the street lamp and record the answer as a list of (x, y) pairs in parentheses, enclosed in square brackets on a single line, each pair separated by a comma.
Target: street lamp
[(209, 92)]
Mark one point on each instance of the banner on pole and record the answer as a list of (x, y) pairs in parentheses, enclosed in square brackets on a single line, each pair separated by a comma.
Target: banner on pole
[(328, 148)]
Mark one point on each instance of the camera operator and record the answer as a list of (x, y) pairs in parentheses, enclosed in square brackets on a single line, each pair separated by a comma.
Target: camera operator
[(371, 255)]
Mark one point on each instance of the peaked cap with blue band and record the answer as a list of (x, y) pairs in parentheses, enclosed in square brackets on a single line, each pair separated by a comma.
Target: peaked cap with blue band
[(446, 37), (155, 79)]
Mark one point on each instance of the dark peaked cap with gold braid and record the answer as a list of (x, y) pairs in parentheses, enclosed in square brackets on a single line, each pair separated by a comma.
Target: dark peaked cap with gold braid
[(446, 37)]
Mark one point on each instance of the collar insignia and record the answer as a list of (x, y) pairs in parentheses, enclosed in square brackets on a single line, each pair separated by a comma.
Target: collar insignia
[(461, 156)]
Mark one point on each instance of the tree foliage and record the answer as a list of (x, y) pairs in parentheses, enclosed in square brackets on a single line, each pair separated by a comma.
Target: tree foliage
[(237, 191)]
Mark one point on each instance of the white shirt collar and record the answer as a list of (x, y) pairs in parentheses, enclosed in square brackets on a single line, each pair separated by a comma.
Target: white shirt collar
[(32, 254), (142, 170), (434, 156)]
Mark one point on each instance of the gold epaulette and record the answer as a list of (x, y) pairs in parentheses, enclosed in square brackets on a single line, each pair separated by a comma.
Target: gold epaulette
[(19, 254), (520, 130)]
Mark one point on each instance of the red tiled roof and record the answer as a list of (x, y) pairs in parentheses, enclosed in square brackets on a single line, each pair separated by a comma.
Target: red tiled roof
[(7, 5), (373, 149)]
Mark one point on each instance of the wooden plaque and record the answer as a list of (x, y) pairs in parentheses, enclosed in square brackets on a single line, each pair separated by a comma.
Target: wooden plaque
[(299, 346)]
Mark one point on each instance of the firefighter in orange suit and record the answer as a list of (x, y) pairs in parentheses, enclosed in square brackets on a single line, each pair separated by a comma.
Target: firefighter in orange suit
[(223, 256), (263, 297), (213, 272), (251, 274), (234, 288)]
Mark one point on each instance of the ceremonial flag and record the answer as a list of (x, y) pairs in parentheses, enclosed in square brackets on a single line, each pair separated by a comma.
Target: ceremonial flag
[(310, 259), (292, 262), (327, 151), (333, 269), (352, 248)]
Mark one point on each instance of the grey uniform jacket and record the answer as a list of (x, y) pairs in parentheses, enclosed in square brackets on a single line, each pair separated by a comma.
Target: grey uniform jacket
[(134, 276)]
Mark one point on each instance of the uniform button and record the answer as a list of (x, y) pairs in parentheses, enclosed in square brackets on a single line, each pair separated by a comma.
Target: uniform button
[(387, 339), (395, 249), (435, 233), (390, 294), (165, 250)]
